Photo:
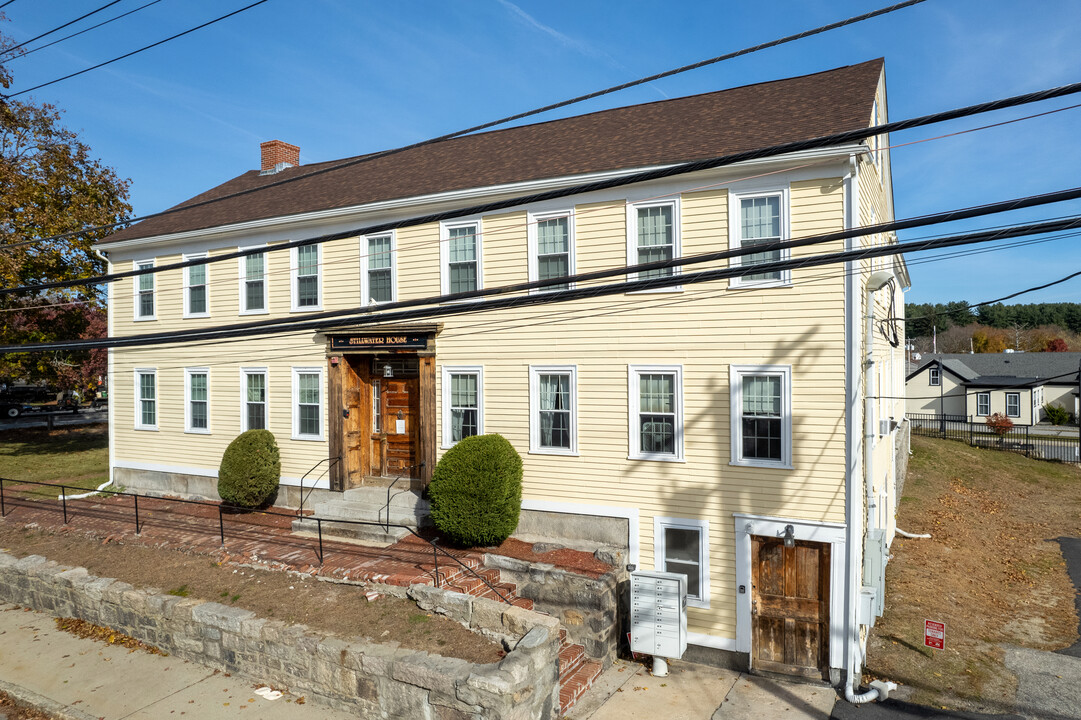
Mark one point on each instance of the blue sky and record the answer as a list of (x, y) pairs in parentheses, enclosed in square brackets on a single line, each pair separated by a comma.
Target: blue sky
[(340, 78)]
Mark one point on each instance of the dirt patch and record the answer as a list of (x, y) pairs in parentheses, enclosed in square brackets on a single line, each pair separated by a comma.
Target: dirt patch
[(341, 610), (575, 561), (992, 571), (13, 710)]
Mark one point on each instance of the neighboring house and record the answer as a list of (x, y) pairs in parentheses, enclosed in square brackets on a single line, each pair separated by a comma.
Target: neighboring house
[(974, 386), (691, 425)]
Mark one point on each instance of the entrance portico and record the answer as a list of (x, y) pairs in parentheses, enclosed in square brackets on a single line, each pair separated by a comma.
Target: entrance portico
[(381, 406)]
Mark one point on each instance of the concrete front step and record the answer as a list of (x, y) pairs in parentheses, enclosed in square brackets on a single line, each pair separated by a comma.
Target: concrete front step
[(400, 499), (367, 533)]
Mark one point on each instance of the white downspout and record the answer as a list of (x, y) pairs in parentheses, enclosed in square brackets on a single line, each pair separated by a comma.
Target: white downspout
[(853, 516), (875, 282)]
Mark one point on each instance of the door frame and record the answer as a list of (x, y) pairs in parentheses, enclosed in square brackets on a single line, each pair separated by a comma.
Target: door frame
[(821, 532)]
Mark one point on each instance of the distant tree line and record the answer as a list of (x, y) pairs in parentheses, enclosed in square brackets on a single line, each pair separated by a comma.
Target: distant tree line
[(922, 317)]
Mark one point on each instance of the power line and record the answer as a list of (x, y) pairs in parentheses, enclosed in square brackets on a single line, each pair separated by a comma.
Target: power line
[(370, 316), (75, 34), (55, 29), (671, 171), (6, 4), (485, 126), (133, 52)]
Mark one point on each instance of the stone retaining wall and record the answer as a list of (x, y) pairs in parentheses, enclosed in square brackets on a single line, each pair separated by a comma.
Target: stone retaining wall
[(587, 608), (359, 676)]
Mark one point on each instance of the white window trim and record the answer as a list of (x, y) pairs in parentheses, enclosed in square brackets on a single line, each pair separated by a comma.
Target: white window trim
[(187, 285), (139, 265), (449, 370), (988, 413), (188, 372), (293, 268), (138, 399), (242, 275), (364, 280), (296, 372), (444, 252), (934, 377), (535, 371), (735, 380), (634, 401), (1018, 413), (735, 234), (244, 373), (534, 249), (702, 526), (632, 239)]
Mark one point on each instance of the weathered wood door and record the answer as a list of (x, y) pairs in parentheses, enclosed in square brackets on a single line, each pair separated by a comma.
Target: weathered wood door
[(400, 410), (790, 607)]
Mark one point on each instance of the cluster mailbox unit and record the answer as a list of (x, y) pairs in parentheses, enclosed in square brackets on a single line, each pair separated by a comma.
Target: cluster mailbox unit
[(659, 616)]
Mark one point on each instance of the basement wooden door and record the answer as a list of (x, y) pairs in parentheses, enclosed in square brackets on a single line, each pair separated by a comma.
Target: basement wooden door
[(790, 607)]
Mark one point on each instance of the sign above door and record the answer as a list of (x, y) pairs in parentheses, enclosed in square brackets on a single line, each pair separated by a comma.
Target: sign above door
[(372, 342)]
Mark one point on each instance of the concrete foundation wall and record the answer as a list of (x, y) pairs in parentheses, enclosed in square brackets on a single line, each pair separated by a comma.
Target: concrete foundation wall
[(902, 448), (368, 679), (203, 487), (581, 532)]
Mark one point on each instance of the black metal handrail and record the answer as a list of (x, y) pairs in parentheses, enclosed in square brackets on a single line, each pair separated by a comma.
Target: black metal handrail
[(222, 507), (304, 497), (387, 505)]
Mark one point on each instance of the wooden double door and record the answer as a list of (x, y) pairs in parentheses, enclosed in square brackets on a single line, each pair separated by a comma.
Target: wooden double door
[(790, 607)]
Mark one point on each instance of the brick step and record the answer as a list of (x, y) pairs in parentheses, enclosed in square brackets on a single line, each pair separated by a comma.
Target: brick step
[(571, 658), (466, 582), (579, 681), (505, 589)]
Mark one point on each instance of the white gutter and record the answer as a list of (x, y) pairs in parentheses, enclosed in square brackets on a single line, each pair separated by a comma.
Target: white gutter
[(104, 255), (414, 203)]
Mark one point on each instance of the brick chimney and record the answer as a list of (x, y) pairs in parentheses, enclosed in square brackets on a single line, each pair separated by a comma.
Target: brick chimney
[(278, 155)]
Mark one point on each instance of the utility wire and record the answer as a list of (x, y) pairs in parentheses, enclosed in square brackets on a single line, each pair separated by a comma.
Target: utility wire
[(133, 52), (6, 4), (92, 27), (374, 316), (485, 126), (55, 29), (643, 176)]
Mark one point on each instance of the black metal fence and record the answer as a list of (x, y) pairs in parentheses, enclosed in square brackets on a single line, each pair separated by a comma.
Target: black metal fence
[(1020, 438)]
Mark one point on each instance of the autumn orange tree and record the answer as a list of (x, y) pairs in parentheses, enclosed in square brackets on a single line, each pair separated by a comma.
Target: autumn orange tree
[(50, 184)]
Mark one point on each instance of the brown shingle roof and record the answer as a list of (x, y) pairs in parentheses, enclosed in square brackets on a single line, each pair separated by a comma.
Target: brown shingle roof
[(668, 131)]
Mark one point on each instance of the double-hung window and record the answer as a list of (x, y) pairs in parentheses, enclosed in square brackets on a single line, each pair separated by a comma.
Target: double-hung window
[(306, 277), (146, 399), (983, 404), (460, 257), (761, 418), (935, 378), (253, 411), (196, 302), (656, 412), (463, 403), (1013, 404), (759, 219), (551, 248), (144, 292), (307, 403), (653, 236), (253, 285), (377, 268), (197, 403), (681, 545), (553, 424)]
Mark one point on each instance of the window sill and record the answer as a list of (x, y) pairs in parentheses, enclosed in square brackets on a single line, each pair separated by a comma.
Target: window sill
[(553, 451), (253, 312), (695, 603), (306, 308), (147, 428), (733, 284), (675, 289), (657, 458), (191, 317), (762, 465), (192, 431), (146, 319), (308, 438)]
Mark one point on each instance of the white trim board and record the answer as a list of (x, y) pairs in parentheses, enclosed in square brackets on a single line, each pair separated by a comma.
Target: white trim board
[(626, 513), (711, 641), (812, 531)]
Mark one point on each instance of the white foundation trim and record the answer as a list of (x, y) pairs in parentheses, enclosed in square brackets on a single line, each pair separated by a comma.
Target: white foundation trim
[(626, 513), (204, 472), (711, 641), (811, 531)]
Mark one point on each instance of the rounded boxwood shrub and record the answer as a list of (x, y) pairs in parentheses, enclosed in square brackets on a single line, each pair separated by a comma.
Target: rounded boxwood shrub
[(476, 491), (250, 470)]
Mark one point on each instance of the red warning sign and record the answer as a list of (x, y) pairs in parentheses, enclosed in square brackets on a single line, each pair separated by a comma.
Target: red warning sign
[(934, 634)]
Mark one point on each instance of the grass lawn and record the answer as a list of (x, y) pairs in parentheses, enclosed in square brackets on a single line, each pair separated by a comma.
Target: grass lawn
[(76, 456), (992, 571)]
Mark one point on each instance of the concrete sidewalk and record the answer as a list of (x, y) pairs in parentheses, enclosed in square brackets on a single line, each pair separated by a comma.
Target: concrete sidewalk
[(627, 691), (79, 679)]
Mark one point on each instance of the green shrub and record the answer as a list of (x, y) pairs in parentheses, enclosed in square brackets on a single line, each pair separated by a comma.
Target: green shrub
[(476, 491), (1057, 414), (250, 470)]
